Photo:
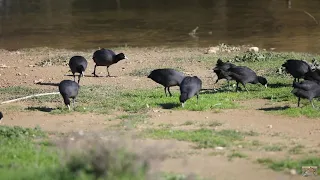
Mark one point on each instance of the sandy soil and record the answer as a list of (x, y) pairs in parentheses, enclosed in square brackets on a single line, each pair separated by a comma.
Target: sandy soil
[(20, 68)]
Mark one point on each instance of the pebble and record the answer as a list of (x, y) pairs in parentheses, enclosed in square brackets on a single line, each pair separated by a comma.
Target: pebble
[(219, 148), (254, 49), (269, 126), (212, 50), (293, 172)]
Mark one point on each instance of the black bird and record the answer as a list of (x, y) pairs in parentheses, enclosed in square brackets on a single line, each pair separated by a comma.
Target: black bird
[(244, 75), (222, 67), (313, 75), (306, 89), (78, 64), (68, 89), (189, 87), (167, 77), (1, 116), (297, 68), (106, 57)]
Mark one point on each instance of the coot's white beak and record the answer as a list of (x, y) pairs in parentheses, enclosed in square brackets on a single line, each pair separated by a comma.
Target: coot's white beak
[(182, 104), (126, 57), (266, 85), (82, 73), (69, 107)]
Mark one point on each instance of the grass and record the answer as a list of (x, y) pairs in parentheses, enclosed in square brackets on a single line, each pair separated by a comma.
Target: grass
[(236, 155), (204, 138), (132, 120), (298, 149), (26, 153), (281, 165), (187, 123), (274, 148), (104, 99)]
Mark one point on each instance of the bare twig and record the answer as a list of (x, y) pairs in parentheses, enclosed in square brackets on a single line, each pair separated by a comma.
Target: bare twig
[(31, 96)]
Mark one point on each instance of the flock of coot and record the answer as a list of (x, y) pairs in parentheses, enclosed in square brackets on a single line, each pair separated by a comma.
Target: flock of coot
[(191, 85)]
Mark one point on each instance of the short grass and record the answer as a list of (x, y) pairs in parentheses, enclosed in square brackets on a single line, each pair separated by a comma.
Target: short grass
[(280, 165), (235, 154), (204, 138), (274, 147)]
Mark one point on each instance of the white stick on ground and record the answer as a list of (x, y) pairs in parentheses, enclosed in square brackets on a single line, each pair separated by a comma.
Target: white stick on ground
[(31, 96)]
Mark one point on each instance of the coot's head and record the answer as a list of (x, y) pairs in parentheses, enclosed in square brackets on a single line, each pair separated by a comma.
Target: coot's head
[(121, 56)]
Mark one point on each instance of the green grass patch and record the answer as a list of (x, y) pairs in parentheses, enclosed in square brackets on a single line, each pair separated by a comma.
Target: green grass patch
[(132, 120), (204, 138), (236, 155), (281, 165), (274, 147), (298, 149)]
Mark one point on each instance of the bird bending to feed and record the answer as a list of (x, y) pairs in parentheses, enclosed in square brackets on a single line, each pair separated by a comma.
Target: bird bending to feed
[(69, 89), (106, 57), (189, 87), (306, 89), (167, 77), (78, 64), (244, 75), (222, 67), (1, 116), (297, 68)]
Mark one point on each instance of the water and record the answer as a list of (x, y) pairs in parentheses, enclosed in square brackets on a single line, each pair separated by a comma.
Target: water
[(82, 24)]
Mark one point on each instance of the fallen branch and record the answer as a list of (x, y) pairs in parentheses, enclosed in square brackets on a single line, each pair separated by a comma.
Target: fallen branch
[(31, 96)]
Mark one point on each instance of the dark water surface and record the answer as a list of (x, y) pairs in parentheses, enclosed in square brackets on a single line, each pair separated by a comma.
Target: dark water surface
[(81, 24)]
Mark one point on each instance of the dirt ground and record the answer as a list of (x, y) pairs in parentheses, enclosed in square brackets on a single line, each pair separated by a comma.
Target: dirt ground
[(19, 68)]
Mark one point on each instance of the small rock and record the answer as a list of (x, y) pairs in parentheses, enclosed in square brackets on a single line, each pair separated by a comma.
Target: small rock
[(147, 105), (18, 74), (81, 133), (26, 74), (293, 172), (3, 66), (219, 148), (254, 49), (31, 65), (72, 139), (269, 126), (240, 146), (38, 81), (212, 50), (207, 117), (155, 110), (210, 32)]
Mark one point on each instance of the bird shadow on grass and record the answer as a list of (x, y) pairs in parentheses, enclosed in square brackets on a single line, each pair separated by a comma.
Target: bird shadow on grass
[(277, 108), (169, 105), (40, 108), (48, 84), (279, 85)]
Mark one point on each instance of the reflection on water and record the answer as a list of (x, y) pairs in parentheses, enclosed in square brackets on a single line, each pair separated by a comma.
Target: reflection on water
[(79, 24)]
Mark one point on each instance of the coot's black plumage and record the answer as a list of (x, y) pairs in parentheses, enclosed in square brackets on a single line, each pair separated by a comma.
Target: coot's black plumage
[(167, 77), (313, 75), (297, 68), (1, 116), (78, 64), (106, 57), (189, 87), (244, 75), (222, 67), (306, 89), (69, 90)]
